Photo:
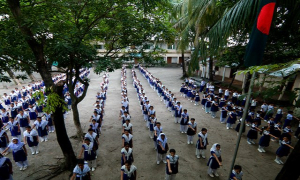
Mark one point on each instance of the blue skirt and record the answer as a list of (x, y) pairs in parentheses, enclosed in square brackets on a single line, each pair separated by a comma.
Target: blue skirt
[(50, 122), (203, 101), (201, 88), (214, 108), (7, 102), (125, 177), (14, 131), (222, 103), (197, 99), (213, 163), (252, 134), (264, 140), (181, 90), (19, 156), (42, 132), (151, 128), (5, 119), (32, 143), (23, 122), (89, 157), (1, 107), (283, 150), (32, 115), (3, 142)]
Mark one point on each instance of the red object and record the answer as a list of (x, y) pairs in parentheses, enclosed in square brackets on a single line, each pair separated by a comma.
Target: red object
[(265, 17)]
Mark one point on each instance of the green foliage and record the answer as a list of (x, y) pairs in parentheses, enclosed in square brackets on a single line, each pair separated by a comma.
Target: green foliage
[(53, 101)]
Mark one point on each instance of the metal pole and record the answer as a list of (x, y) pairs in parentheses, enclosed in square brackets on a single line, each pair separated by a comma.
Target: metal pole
[(242, 123)]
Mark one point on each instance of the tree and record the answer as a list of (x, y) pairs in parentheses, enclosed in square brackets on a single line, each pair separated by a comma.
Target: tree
[(38, 33)]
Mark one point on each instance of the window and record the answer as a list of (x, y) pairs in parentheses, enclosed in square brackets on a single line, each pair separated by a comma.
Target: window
[(99, 46), (171, 46), (174, 60)]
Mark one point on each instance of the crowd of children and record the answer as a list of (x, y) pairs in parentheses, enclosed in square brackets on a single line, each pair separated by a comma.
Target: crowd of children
[(26, 120), (187, 125), (231, 107)]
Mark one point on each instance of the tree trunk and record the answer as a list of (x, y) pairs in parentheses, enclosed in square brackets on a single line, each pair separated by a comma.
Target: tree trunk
[(31, 76), (232, 80), (283, 89), (12, 76), (76, 119), (211, 77), (247, 83), (290, 169), (61, 133), (184, 74)]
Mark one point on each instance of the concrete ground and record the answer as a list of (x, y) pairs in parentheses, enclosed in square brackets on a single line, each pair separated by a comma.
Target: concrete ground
[(255, 165)]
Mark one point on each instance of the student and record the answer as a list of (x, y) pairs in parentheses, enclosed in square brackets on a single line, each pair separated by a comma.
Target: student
[(128, 171), (157, 130), (146, 109), (215, 160), (42, 128), (201, 143), (31, 138), (124, 117), (14, 128), (4, 140), (4, 116), (182, 88), (231, 119), (238, 126), (127, 126), (178, 111), (252, 133), (127, 138), (250, 118), (223, 115), (150, 112), (89, 153), (81, 171), (287, 132), (162, 148), (208, 104), (277, 129), (97, 117), (93, 139), (202, 85), (23, 119), (50, 122), (127, 154), (95, 126), (32, 112), (192, 129), (6, 171), (214, 108), (204, 99), (236, 173), (152, 123), (197, 99), (172, 165), (283, 150), (289, 119), (279, 114), (184, 121), (19, 153), (265, 139)]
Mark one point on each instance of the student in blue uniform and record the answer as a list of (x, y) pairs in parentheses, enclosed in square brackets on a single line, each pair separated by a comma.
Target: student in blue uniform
[(14, 128), (283, 150), (162, 148), (236, 173), (215, 160), (89, 153), (93, 139), (279, 114), (214, 107), (172, 165), (208, 104), (42, 128), (238, 126), (50, 122), (277, 129), (4, 116), (252, 133), (6, 171), (192, 129), (201, 143), (287, 132), (81, 171), (152, 122), (127, 126), (157, 130), (223, 115), (178, 111), (32, 113), (95, 126), (31, 138), (289, 119), (127, 138), (19, 153), (197, 99), (265, 139), (184, 121), (4, 140), (127, 154), (231, 119), (182, 88), (204, 99), (23, 119), (128, 171)]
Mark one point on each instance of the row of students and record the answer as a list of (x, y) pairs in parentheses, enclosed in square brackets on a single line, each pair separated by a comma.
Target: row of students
[(90, 146), (156, 133)]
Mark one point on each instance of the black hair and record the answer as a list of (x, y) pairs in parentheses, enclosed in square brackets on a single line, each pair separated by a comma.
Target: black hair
[(126, 144), (28, 127), (128, 162), (80, 161), (185, 110), (237, 167), (172, 150), (192, 118), (87, 139), (157, 122), (203, 129), (90, 129)]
